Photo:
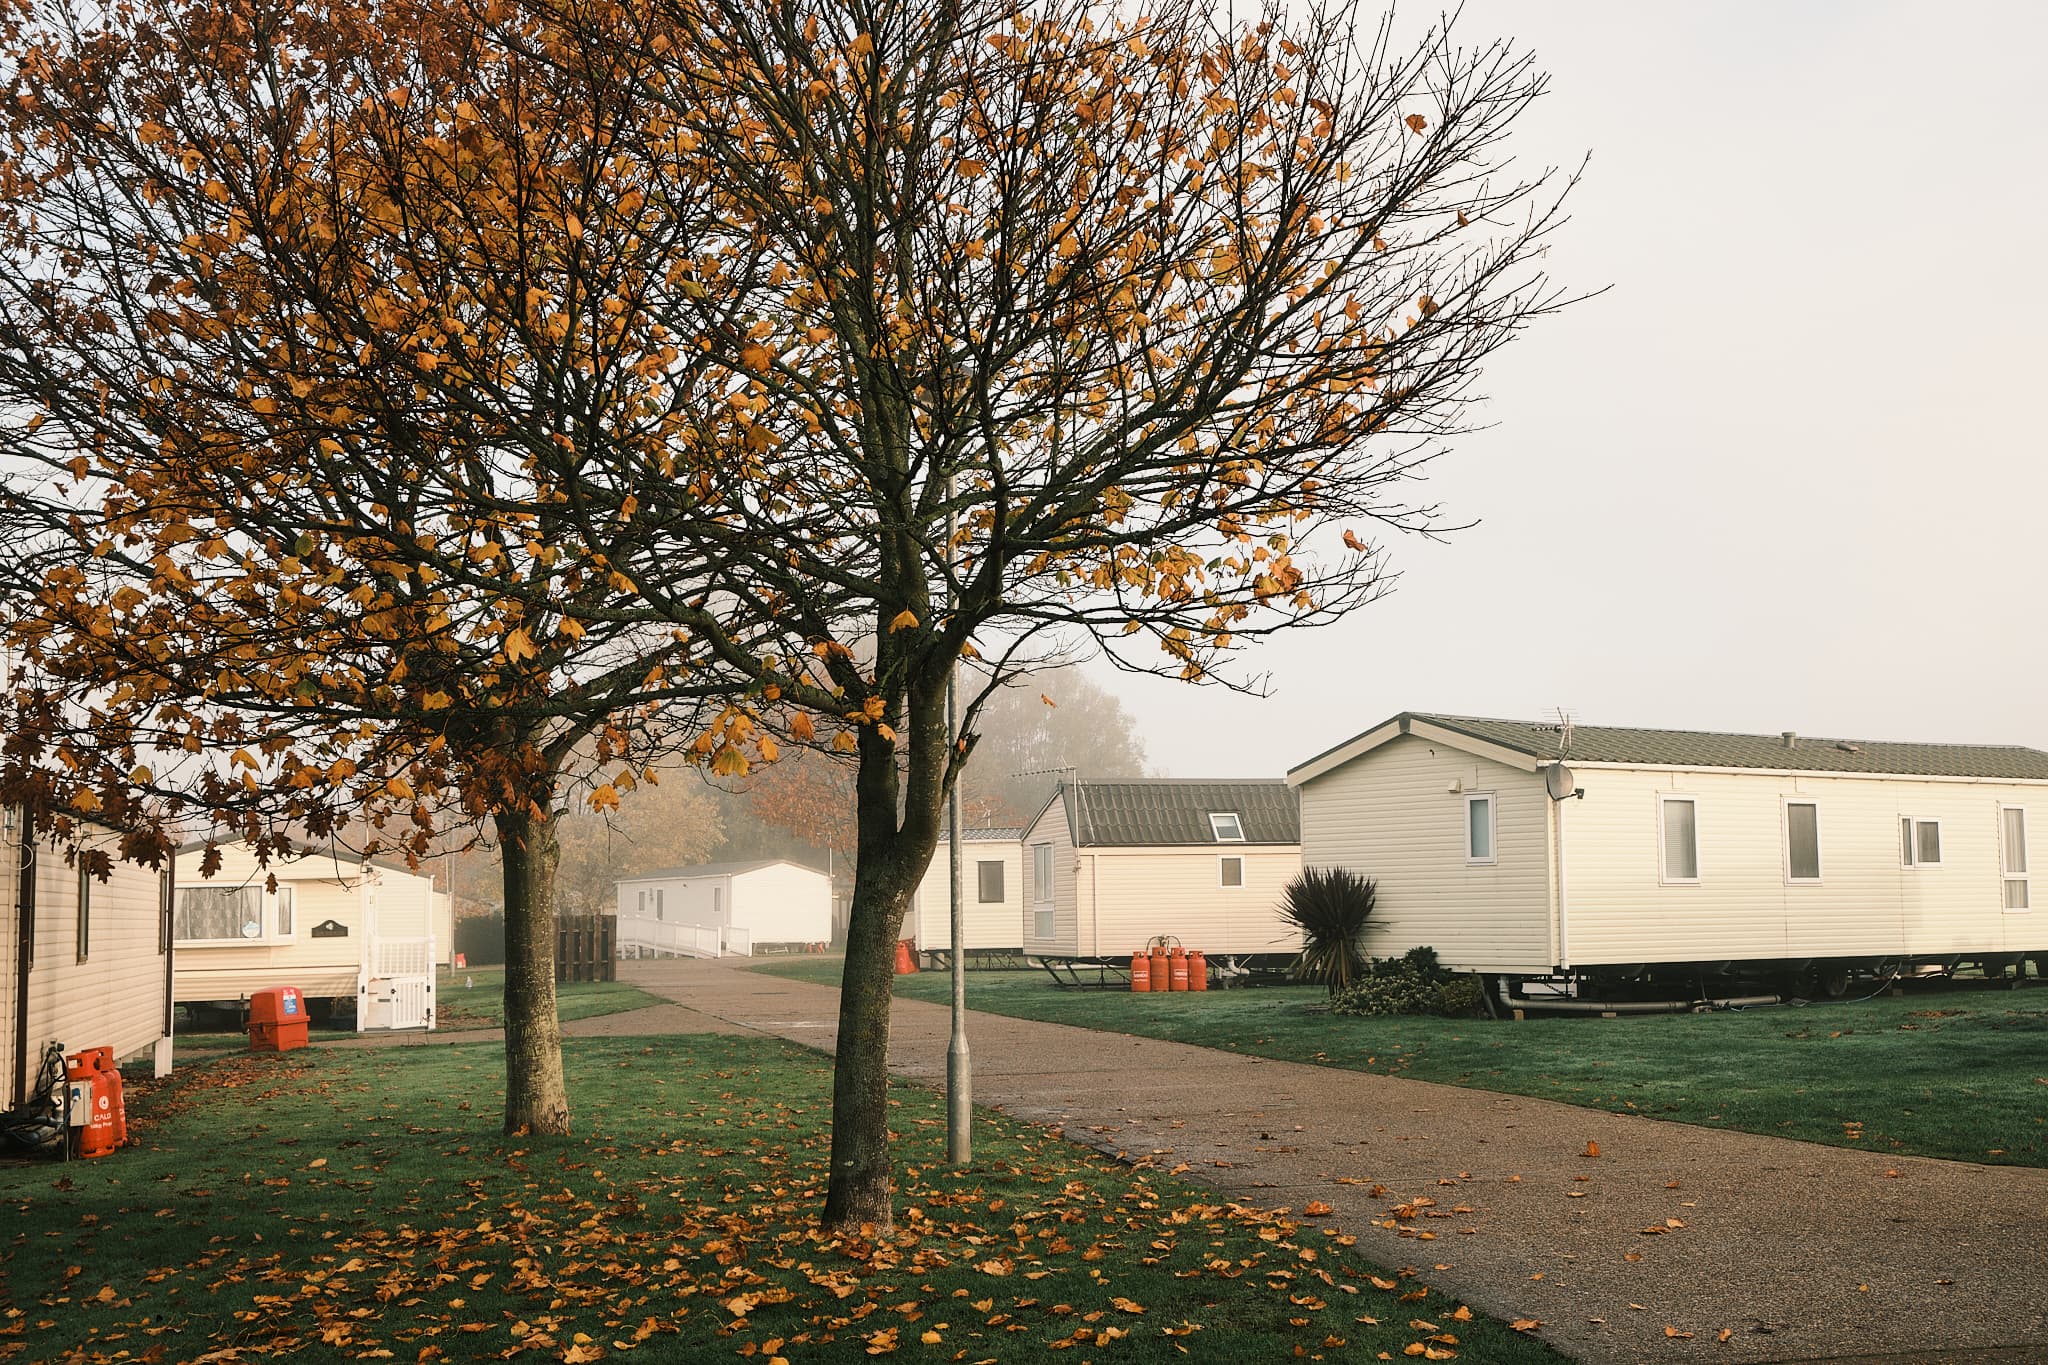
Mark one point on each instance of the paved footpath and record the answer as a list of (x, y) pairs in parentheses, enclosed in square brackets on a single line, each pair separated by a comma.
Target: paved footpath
[(1800, 1252)]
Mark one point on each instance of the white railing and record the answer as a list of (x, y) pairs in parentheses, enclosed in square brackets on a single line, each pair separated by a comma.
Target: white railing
[(642, 937)]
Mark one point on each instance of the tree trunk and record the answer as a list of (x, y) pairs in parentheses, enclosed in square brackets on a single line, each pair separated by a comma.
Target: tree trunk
[(891, 861), (857, 1193), (536, 1099)]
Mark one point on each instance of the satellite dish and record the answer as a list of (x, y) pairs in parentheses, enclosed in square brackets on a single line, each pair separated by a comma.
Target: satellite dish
[(1559, 781)]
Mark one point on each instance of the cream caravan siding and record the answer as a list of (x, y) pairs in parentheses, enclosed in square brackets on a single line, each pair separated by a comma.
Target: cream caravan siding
[(405, 904), (783, 903), (682, 900), (1051, 828), (998, 924), (1131, 895), (1866, 903), (115, 996), (1391, 814), (324, 888)]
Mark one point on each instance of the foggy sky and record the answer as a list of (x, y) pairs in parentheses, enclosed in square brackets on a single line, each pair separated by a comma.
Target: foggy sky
[(1787, 473)]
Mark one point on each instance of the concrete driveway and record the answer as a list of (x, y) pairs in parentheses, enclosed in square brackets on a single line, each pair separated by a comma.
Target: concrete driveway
[(1670, 1237)]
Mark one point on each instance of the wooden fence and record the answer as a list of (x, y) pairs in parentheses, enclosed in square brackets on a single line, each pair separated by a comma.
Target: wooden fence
[(586, 948)]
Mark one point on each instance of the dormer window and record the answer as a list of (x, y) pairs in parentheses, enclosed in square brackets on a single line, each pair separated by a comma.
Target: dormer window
[(1226, 827)]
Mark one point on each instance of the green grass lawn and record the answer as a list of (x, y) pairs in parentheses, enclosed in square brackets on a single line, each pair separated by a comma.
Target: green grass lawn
[(1945, 1072), (472, 998), (344, 1205)]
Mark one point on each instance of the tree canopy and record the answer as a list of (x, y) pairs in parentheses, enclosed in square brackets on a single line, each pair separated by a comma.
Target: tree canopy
[(430, 391)]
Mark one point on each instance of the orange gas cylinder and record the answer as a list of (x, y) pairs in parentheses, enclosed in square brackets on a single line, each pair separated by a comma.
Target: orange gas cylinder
[(1141, 971), (108, 1082), (905, 963), (1198, 970), (1177, 964), (96, 1136), (1161, 974)]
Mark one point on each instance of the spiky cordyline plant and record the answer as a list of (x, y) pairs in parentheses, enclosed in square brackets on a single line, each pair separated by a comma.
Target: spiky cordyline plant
[(1329, 905)]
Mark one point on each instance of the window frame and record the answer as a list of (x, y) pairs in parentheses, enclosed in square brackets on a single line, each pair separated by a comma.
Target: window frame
[(1222, 878), (84, 912), (260, 915), (660, 902), (1910, 827), (1044, 923), (981, 867), (1820, 865), (284, 902), (1664, 877), (1216, 819), (1492, 829), (2006, 877)]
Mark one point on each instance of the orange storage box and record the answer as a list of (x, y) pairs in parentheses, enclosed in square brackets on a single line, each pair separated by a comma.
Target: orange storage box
[(277, 1019)]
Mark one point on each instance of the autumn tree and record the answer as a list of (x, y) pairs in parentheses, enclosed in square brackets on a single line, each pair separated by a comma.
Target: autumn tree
[(1058, 325), (340, 398)]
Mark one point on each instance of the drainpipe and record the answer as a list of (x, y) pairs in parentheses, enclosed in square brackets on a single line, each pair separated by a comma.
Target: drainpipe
[(24, 950), (1564, 921)]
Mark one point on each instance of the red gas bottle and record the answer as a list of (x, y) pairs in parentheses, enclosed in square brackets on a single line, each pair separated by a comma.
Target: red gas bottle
[(1141, 971), (1177, 964), (1162, 977), (905, 963), (1198, 970), (96, 1138)]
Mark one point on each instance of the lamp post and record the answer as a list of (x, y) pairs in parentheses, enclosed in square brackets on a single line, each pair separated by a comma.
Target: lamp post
[(959, 1065)]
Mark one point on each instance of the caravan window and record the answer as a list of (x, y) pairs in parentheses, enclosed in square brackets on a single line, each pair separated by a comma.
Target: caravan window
[(2012, 854), (989, 882), (1802, 841), (1041, 891), (287, 911), (219, 914), (84, 913), (1680, 831), (1919, 842), (1479, 827)]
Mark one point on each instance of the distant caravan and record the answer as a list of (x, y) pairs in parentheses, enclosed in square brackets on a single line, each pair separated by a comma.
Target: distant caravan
[(1591, 867)]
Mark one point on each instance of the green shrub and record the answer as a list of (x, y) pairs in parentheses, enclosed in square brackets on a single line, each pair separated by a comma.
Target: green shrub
[(1329, 905), (1414, 983)]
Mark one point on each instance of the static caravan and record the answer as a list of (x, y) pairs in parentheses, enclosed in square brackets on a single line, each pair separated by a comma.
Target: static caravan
[(992, 896), (353, 935), (1111, 865), (723, 909), (1591, 856), (83, 962)]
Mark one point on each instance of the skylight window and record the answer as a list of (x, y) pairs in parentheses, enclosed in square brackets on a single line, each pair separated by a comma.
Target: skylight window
[(1226, 827)]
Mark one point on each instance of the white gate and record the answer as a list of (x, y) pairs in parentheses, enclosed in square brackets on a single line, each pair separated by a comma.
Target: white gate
[(401, 987)]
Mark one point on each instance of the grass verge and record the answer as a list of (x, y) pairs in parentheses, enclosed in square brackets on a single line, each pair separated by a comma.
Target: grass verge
[(1943, 1071), (344, 1205), (473, 998)]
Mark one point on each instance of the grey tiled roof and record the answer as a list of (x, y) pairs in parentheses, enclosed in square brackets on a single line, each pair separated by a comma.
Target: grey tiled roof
[(1165, 812), (1705, 749), (986, 834)]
